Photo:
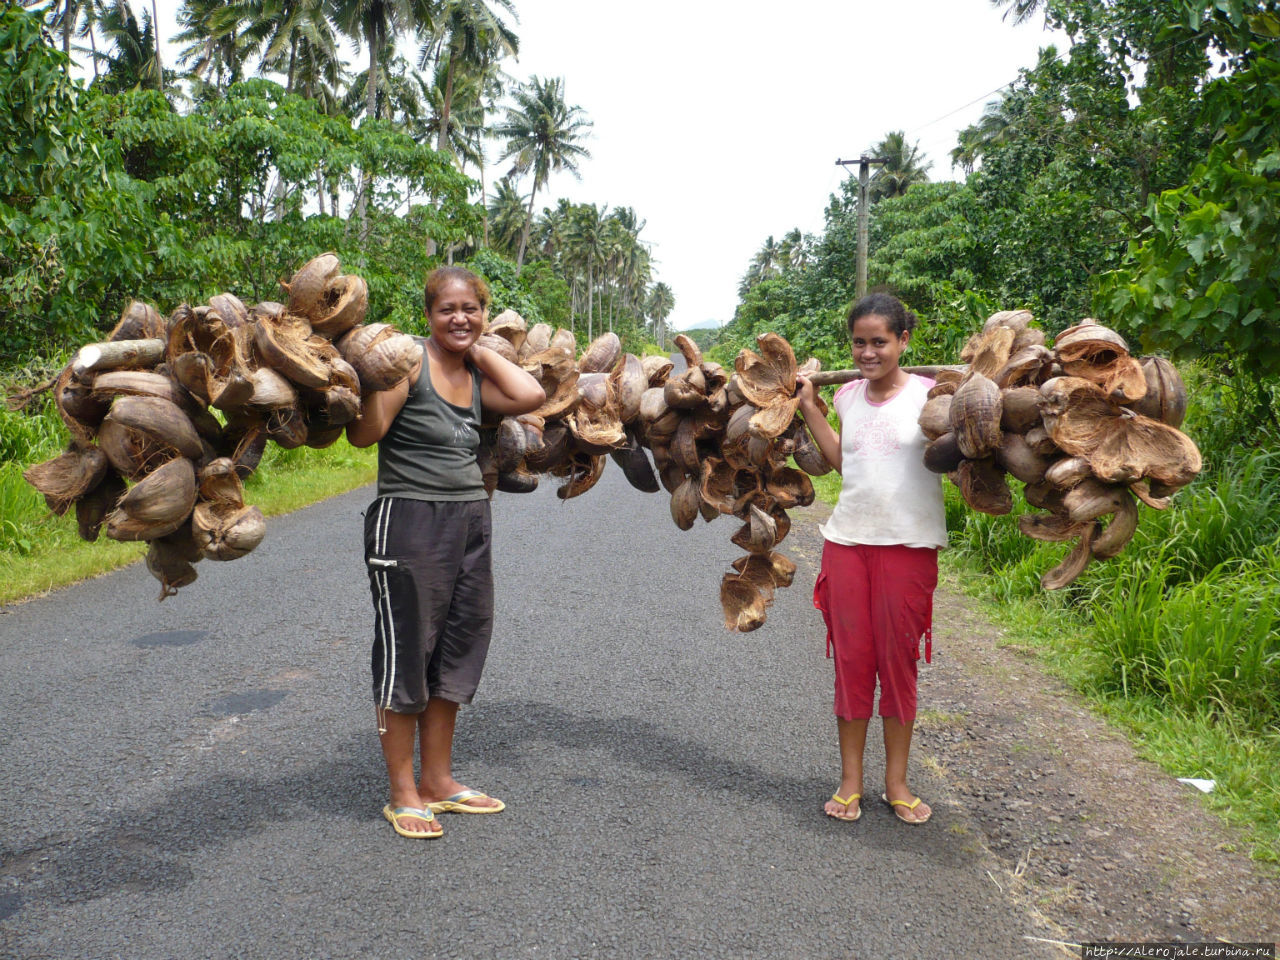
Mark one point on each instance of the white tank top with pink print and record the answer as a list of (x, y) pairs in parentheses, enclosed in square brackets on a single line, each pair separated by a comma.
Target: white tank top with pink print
[(887, 495)]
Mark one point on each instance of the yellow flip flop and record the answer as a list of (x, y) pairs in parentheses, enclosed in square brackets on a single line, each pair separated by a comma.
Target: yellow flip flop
[(395, 815), (457, 803), (845, 803), (910, 805)]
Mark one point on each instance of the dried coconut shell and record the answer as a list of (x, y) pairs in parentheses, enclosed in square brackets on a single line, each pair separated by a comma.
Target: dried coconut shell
[(499, 345), (170, 560), (1142, 490), (1038, 439), (517, 481), (807, 454), (743, 604), (1019, 409), (511, 445), (601, 354), (717, 487), (942, 389), (774, 420), (1018, 459), (759, 534), (790, 488), (1023, 367), (1099, 354), (653, 405), (1050, 527), (287, 426), (1074, 563), (656, 369), (1068, 472), (635, 465), (767, 377), (80, 409), (218, 482), (563, 341), (66, 478), (1045, 496), (306, 287), (684, 446), (983, 486), (139, 321), (781, 568), (511, 327), (1092, 498), (380, 355), (943, 455), (975, 416), (157, 505), (756, 570), (689, 350), (684, 503), (92, 508), (1166, 396), (536, 340), (687, 390), (140, 433), (227, 531), (560, 403), (582, 478), (343, 304), (556, 441), (991, 351), (1015, 320), (935, 417), (230, 310), (270, 391), (1119, 531), (629, 385)]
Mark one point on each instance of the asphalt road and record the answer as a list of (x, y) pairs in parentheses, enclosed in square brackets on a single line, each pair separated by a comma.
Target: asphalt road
[(201, 777)]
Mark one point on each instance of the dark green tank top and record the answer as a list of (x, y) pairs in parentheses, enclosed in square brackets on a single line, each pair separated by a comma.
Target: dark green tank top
[(429, 451)]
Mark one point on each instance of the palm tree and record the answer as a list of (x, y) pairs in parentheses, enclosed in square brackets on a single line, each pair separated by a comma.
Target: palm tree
[(469, 33), (542, 135), (377, 23), (133, 61), (587, 235), (661, 302), (901, 169), (217, 43), (507, 216), (1022, 10)]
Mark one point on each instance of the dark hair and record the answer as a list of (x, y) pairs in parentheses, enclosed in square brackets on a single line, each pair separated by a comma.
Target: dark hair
[(440, 276), (886, 305)]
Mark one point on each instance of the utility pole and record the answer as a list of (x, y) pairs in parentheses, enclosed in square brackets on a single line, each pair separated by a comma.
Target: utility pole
[(864, 166)]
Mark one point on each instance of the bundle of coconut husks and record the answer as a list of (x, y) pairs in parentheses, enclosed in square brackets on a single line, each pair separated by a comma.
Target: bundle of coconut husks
[(1085, 426)]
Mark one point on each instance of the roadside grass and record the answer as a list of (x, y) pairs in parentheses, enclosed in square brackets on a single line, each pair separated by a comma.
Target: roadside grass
[(40, 552)]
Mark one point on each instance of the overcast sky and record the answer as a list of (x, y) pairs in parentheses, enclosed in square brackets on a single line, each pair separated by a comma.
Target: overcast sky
[(720, 123)]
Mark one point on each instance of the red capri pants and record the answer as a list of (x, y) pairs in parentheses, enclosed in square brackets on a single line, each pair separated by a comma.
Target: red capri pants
[(877, 602)]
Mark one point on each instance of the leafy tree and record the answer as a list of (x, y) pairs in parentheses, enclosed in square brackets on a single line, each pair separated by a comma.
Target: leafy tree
[(542, 134), (904, 165), (659, 306)]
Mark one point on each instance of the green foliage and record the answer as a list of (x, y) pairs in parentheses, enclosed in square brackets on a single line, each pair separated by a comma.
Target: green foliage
[(1204, 279), (534, 292)]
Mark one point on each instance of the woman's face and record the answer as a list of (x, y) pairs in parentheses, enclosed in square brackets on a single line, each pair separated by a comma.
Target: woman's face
[(876, 347), (456, 318)]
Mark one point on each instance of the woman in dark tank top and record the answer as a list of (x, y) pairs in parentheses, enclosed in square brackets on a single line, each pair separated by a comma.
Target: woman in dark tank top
[(427, 547)]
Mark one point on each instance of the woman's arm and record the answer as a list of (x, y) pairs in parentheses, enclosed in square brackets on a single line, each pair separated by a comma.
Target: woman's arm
[(378, 409), (825, 437), (505, 389)]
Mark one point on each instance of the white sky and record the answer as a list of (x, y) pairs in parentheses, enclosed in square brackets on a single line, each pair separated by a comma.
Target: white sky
[(720, 122)]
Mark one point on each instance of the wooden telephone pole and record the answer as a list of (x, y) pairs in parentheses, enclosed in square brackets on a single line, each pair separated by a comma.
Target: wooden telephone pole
[(864, 166)]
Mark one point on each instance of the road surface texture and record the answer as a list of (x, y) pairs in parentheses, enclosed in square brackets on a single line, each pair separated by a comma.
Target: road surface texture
[(201, 777)]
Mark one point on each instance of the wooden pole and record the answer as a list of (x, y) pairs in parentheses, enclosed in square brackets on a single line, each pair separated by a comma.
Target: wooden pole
[(864, 169), (824, 378)]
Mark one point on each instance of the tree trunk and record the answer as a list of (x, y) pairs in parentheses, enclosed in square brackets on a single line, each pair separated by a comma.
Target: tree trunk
[(524, 234), (590, 297), (442, 139), (155, 31), (484, 202), (370, 105), (66, 30), (293, 54)]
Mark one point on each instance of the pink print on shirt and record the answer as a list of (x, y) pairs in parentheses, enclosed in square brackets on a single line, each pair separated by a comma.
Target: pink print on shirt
[(875, 439)]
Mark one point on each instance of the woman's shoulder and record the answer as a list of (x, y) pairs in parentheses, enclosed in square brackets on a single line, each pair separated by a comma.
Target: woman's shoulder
[(849, 390)]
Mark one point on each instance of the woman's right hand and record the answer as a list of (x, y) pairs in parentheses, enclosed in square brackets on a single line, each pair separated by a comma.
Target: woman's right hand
[(806, 391)]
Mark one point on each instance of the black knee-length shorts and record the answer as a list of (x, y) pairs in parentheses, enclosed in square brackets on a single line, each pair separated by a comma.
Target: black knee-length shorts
[(432, 583)]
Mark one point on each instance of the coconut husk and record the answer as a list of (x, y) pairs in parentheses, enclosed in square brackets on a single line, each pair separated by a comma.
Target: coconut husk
[(1120, 446), (807, 454), (781, 568), (601, 354), (556, 441), (1019, 409), (92, 508), (685, 501), (341, 399), (629, 385), (756, 570), (170, 560), (343, 304), (563, 401), (1023, 367), (1119, 531), (1091, 498), (246, 443), (1100, 355), (975, 416), (66, 478), (157, 505), (653, 406), (656, 369), (943, 455), (307, 286), (563, 341), (742, 603), (990, 351), (218, 482), (1166, 396), (635, 465), (585, 473), (1071, 567), (287, 426), (684, 447), (283, 345), (536, 340), (510, 326), (1142, 490), (687, 390), (691, 352), (499, 345), (380, 355), (1038, 439), (1027, 337), (935, 417), (983, 486), (718, 484), (230, 310), (1051, 527), (594, 422), (760, 533), (206, 355), (517, 481), (511, 445), (139, 321), (1015, 320), (1067, 472), (1018, 459), (1045, 496), (227, 531), (140, 433), (768, 377), (534, 428), (77, 405), (774, 420), (790, 488)]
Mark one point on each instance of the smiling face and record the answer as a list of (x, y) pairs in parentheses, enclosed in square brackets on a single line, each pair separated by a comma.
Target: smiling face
[(456, 317), (876, 347)]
